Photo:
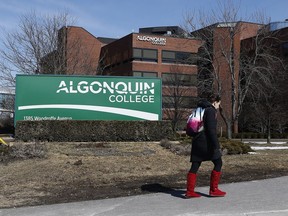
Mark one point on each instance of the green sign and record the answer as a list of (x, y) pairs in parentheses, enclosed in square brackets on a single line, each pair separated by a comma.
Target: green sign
[(44, 97)]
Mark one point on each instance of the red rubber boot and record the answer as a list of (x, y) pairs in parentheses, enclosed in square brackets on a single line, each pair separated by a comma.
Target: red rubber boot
[(214, 181), (191, 182)]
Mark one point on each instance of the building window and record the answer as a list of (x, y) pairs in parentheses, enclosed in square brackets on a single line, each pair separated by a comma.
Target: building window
[(179, 57), (144, 74), (137, 53), (179, 101), (150, 55), (179, 79), (168, 55)]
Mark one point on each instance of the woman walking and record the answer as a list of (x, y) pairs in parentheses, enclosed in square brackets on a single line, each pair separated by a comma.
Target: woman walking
[(205, 147)]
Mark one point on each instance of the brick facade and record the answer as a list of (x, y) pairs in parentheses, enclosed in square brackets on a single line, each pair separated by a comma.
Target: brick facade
[(156, 52)]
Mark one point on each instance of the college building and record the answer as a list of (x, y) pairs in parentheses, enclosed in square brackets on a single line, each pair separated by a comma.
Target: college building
[(166, 52), (163, 52)]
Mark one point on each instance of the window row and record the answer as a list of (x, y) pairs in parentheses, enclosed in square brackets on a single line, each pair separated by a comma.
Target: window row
[(179, 102), (175, 79), (178, 79), (175, 57)]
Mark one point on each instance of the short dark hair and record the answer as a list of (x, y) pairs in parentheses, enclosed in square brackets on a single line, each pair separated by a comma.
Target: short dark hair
[(212, 97)]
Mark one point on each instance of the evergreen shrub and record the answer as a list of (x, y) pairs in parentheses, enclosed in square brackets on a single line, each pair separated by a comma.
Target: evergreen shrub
[(234, 147), (93, 131)]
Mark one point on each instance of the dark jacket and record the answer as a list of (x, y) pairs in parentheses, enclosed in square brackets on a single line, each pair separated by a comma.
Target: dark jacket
[(205, 145)]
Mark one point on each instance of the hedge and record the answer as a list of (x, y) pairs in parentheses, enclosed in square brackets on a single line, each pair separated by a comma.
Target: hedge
[(86, 131)]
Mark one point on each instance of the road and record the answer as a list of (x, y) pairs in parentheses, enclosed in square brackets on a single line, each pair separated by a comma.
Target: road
[(255, 198)]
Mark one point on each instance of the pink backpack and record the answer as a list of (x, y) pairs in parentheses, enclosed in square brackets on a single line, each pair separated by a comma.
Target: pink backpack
[(195, 122)]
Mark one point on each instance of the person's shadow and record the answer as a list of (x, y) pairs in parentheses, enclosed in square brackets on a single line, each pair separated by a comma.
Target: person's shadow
[(158, 188)]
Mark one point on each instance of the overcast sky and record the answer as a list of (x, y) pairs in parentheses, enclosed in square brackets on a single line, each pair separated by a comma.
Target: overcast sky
[(117, 18)]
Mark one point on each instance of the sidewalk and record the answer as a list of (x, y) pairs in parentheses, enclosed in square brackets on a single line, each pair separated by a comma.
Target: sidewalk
[(255, 198)]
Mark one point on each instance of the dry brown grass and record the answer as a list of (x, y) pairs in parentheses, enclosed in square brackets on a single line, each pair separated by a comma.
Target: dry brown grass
[(65, 172)]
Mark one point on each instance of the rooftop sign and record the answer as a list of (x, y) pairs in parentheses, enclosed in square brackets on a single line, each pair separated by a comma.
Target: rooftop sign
[(152, 39)]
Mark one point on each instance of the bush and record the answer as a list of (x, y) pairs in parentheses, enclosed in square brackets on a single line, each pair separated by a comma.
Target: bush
[(183, 146), (93, 131), (234, 147)]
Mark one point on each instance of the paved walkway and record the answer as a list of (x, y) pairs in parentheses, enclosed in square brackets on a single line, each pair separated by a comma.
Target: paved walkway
[(255, 198)]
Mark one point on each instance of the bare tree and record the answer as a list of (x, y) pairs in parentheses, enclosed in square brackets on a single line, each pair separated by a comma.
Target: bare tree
[(261, 75), (103, 66), (45, 44), (36, 38), (221, 67), (78, 51), (7, 101), (7, 78), (178, 95)]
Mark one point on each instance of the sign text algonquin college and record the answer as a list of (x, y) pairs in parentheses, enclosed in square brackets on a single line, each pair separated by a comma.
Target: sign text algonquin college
[(44, 97)]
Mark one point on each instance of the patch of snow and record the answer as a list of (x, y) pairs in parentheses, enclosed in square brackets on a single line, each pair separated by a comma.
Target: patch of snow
[(261, 143), (270, 148)]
